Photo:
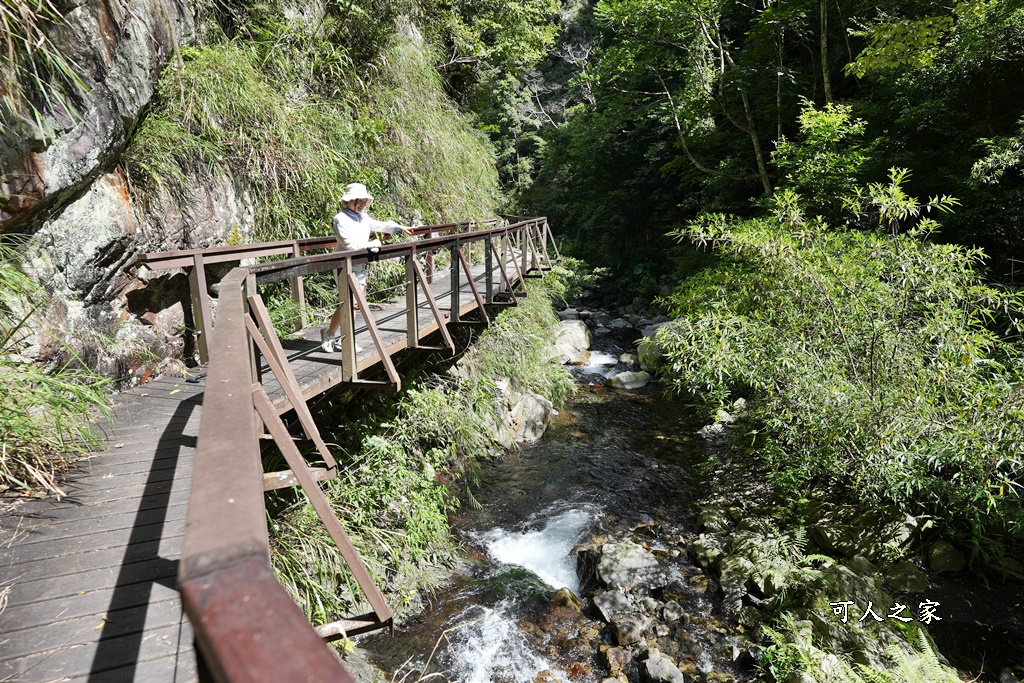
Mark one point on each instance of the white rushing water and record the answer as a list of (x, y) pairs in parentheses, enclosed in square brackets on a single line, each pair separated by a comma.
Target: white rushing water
[(487, 644), (600, 363), (544, 551), (493, 648)]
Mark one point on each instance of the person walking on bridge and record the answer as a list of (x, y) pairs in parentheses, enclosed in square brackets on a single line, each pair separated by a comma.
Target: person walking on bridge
[(353, 228)]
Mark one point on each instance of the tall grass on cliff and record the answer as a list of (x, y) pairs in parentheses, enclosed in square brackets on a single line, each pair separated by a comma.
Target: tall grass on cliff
[(292, 121), (218, 112), (44, 414), (424, 154), (394, 493), (882, 365)]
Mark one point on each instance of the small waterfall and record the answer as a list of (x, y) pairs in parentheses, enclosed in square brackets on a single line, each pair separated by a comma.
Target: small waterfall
[(600, 363), (487, 645), (544, 551)]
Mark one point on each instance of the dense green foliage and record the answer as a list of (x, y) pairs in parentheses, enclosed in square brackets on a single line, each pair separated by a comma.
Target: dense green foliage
[(436, 431), (687, 107), (787, 655), (45, 413), (882, 365)]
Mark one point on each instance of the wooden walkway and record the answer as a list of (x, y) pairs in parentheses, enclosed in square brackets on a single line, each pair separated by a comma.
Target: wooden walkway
[(87, 582)]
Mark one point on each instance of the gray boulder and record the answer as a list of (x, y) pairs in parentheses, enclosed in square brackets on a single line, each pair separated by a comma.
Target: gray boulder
[(736, 573), (613, 603), (660, 668), (526, 415), (862, 565), (571, 341), (707, 550), (905, 577), (943, 557), (673, 611), (569, 314), (629, 628), (629, 380), (1007, 676), (119, 50), (849, 532), (714, 519), (628, 565)]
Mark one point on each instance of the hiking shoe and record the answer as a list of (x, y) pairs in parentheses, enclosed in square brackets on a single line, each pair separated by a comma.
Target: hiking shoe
[(329, 341)]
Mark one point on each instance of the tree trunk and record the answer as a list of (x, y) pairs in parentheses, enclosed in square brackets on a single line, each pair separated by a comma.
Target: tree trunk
[(824, 51), (762, 168)]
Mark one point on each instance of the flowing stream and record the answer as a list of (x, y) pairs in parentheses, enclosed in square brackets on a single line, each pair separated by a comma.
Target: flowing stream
[(609, 461)]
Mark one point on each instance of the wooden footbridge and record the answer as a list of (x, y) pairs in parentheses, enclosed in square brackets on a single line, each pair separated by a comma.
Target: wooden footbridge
[(160, 542)]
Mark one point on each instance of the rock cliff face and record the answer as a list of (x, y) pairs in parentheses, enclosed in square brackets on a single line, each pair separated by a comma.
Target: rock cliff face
[(119, 48), (65, 188)]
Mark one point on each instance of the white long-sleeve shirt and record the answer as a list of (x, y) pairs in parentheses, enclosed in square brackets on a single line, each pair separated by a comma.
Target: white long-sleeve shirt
[(353, 229)]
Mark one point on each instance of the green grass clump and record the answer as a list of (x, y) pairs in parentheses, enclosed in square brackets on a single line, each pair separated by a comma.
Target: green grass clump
[(37, 76), (395, 492), (45, 415), (219, 112), (242, 110)]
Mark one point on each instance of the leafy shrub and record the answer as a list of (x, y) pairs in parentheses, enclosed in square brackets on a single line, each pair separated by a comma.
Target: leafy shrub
[(882, 364), (822, 167)]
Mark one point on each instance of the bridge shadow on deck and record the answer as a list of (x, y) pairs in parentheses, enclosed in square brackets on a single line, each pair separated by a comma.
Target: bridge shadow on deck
[(124, 630)]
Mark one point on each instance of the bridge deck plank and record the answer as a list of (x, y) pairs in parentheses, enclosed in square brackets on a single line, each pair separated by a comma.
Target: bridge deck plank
[(89, 577)]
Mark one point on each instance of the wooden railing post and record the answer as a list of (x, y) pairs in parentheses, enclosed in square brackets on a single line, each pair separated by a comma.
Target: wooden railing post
[(544, 246), (523, 249), (299, 291), (348, 326), (534, 248), (412, 313), (489, 269), (200, 306), (430, 260), (456, 303), (554, 244), (249, 289), (504, 248)]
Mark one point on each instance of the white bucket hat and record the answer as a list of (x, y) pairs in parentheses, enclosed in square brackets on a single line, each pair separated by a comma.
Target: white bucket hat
[(356, 191)]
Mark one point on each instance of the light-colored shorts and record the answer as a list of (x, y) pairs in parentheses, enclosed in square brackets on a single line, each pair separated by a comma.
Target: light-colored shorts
[(359, 270)]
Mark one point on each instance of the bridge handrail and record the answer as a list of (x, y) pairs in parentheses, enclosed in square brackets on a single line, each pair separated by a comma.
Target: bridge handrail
[(319, 263), (194, 261), (246, 625), (183, 258)]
